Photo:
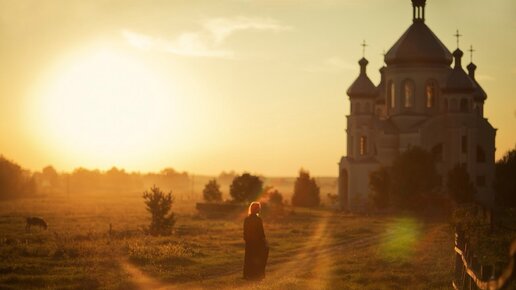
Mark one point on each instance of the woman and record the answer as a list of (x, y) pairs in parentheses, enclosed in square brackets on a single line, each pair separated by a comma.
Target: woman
[(256, 249)]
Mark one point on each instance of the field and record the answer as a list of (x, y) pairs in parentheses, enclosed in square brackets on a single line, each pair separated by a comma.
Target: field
[(309, 249)]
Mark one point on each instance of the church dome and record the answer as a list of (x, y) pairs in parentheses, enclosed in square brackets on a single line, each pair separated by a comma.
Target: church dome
[(418, 45), (479, 95), (458, 81), (362, 86), (379, 90)]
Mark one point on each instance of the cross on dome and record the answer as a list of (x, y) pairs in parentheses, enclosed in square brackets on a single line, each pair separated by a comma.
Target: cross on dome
[(364, 44), (457, 35), (471, 50)]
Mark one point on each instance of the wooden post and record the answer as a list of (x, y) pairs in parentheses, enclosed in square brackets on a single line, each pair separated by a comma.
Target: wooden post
[(475, 267), (458, 260), (464, 267)]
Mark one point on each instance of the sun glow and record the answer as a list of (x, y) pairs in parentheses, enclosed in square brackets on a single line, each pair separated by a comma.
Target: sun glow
[(104, 106)]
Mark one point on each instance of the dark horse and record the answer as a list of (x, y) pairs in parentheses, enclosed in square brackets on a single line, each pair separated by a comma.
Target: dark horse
[(35, 221)]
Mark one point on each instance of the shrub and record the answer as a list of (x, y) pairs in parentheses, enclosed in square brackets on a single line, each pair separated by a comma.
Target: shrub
[(212, 191), (159, 205), (275, 198), (412, 174), (379, 184), (15, 181), (505, 183), (246, 188), (306, 191), (459, 186)]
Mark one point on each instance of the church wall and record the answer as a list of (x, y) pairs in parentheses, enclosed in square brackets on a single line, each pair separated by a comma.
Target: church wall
[(358, 193), (419, 76)]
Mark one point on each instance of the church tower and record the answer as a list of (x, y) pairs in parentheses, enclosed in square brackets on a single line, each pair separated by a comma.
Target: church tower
[(420, 101)]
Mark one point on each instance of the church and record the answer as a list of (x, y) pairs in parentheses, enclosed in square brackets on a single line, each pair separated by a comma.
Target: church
[(421, 100)]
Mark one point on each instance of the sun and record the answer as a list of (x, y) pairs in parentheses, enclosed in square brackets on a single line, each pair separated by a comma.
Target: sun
[(103, 105)]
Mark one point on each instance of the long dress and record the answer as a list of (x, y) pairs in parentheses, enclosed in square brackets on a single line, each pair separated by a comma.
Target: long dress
[(256, 249)]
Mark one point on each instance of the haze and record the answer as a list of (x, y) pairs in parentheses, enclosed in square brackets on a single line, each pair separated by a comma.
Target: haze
[(207, 86)]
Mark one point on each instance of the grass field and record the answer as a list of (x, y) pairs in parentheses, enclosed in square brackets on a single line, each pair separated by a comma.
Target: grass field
[(309, 249)]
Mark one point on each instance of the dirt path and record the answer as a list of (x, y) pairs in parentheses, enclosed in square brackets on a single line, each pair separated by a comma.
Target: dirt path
[(142, 280), (315, 256)]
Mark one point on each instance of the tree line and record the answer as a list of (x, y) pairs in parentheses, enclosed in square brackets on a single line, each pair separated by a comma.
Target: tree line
[(412, 182)]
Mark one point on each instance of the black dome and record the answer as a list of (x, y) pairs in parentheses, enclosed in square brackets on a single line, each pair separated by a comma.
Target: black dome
[(458, 81), (418, 45), (362, 86)]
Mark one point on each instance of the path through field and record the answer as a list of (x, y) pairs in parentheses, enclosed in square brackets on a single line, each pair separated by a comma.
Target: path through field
[(331, 257)]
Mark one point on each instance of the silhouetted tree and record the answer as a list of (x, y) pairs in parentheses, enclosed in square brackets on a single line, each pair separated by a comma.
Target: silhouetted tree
[(212, 191), (246, 187), (275, 197), (159, 205), (412, 177), (50, 176), (505, 179), (459, 186), (306, 191), (379, 184), (14, 181)]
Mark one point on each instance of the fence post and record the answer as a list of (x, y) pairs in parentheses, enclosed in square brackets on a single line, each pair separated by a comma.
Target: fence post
[(475, 268), (458, 260), (464, 267)]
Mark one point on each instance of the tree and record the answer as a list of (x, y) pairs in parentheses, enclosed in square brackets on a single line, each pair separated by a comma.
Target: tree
[(246, 188), (275, 198), (379, 184), (212, 191), (459, 186), (14, 181), (306, 191), (505, 181), (50, 176), (412, 177), (159, 205)]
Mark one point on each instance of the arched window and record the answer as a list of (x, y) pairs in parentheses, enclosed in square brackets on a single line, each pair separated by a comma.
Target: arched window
[(481, 155), (363, 145), (367, 108), (431, 91), (357, 108), (408, 93), (464, 105), (392, 94)]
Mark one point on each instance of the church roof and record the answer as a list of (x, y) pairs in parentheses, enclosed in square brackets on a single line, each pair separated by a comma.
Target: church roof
[(458, 81), (479, 94), (418, 45), (362, 87)]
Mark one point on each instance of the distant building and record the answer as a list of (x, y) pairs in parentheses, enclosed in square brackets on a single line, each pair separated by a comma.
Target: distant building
[(420, 101)]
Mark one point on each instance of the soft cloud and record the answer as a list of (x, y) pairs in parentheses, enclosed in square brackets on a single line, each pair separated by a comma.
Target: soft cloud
[(332, 64), (208, 41), (222, 28)]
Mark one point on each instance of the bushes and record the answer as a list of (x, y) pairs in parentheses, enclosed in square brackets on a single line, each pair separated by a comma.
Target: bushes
[(159, 205), (505, 181), (246, 188), (211, 192), (459, 186), (14, 181), (407, 183), (306, 191)]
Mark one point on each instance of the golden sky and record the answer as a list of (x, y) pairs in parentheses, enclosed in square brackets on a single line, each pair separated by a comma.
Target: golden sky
[(206, 86)]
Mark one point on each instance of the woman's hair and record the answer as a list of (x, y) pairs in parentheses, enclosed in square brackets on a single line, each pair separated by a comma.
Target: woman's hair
[(254, 208)]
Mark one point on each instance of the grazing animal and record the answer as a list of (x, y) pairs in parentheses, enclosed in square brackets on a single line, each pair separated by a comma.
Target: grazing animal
[(35, 221)]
